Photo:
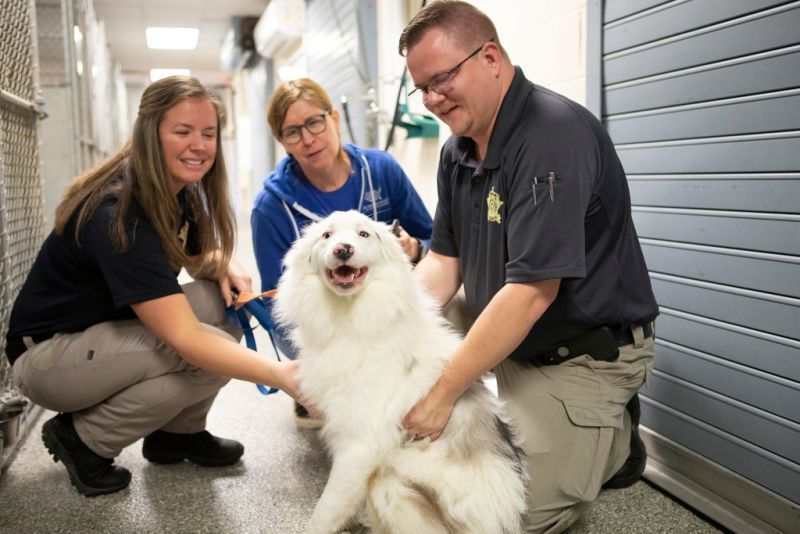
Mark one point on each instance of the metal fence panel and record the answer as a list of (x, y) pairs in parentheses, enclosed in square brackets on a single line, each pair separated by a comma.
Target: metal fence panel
[(21, 220)]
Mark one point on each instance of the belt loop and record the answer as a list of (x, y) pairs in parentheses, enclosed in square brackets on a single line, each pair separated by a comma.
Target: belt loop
[(28, 341), (638, 336)]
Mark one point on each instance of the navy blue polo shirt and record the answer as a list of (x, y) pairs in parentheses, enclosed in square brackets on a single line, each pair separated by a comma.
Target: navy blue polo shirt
[(73, 286), (550, 200)]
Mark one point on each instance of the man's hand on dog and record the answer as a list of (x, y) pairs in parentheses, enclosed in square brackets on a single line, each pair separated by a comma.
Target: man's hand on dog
[(429, 416)]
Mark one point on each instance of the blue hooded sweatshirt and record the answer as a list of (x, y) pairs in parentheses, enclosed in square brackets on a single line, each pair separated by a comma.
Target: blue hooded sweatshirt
[(377, 187)]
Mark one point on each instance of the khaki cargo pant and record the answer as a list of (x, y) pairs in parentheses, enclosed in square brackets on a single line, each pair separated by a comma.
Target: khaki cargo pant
[(575, 427), (121, 382)]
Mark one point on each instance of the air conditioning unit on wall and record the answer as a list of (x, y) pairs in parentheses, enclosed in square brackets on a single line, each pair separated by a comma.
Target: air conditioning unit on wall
[(280, 27)]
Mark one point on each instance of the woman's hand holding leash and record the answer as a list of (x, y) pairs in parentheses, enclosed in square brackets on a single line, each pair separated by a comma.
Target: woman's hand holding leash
[(234, 277)]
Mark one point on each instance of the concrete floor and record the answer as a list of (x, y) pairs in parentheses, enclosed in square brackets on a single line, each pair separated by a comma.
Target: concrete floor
[(272, 490)]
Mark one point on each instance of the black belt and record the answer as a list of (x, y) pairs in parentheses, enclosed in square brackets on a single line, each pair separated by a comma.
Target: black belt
[(600, 343), (15, 346)]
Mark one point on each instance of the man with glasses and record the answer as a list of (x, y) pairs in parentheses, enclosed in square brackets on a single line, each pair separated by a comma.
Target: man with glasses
[(534, 218)]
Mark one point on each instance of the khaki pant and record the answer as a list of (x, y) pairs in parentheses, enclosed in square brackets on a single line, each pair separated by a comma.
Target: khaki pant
[(575, 427), (121, 382)]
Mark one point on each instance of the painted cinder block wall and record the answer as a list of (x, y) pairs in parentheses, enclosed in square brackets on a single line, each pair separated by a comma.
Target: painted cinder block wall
[(545, 37)]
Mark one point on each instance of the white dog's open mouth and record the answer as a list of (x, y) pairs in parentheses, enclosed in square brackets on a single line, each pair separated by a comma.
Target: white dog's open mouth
[(346, 277)]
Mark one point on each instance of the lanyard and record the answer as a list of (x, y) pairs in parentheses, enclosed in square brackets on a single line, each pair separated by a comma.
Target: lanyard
[(254, 303)]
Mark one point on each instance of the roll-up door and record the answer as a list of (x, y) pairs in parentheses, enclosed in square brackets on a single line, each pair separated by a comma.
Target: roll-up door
[(702, 99), (340, 46)]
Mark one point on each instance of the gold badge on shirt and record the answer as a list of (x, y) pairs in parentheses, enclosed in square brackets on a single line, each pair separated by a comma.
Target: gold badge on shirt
[(494, 203)]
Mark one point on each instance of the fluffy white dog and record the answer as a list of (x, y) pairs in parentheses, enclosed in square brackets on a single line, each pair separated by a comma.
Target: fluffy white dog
[(371, 345)]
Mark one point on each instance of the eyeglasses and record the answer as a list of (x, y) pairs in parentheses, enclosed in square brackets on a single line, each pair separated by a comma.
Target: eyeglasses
[(315, 124), (443, 83)]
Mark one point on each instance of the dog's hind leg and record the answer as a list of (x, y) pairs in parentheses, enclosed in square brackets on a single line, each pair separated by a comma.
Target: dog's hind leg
[(344, 493), (397, 506)]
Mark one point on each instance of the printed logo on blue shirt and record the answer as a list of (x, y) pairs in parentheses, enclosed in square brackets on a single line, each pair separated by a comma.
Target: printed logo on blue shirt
[(373, 196), (381, 204)]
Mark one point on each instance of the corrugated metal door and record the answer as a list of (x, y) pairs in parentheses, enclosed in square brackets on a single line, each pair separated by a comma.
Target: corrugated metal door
[(702, 99), (340, 44)]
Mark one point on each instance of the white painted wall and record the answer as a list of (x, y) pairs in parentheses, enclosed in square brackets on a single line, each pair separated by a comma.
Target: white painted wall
[(544, 37)]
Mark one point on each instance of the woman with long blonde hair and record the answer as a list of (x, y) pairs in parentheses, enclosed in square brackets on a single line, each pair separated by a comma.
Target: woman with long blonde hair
[(102, 331)]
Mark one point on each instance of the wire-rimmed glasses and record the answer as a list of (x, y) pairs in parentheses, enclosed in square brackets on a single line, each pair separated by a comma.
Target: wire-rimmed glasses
[(315, 124), (443, 83)]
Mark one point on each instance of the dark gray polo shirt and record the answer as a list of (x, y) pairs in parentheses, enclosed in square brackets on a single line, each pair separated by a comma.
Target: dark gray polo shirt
[(550, 200)]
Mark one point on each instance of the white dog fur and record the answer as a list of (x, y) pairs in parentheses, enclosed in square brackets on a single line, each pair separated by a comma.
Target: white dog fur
[(371, 344)]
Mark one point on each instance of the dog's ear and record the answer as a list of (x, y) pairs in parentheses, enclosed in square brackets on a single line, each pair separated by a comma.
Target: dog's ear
[(390, 248), (300, 253)]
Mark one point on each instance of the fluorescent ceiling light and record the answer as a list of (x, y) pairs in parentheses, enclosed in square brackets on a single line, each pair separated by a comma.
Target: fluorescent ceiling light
[(291, 72), (157, 74), (172, 38)]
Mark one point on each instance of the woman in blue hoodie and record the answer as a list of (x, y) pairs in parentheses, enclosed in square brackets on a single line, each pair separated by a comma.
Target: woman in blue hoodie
[(321, 175)]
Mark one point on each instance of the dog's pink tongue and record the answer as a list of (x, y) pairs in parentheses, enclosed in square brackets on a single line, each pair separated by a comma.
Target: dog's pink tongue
[(344, 275), (347, 279)]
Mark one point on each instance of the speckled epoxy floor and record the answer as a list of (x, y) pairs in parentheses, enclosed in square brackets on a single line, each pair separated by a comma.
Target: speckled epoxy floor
[(272, 490)]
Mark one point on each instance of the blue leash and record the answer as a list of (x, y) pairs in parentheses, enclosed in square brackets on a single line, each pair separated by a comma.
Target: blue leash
[(258, 308)]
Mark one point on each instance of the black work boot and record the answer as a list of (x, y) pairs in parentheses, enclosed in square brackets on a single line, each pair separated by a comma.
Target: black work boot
[(201, 448), (634, 466), (89, 472)]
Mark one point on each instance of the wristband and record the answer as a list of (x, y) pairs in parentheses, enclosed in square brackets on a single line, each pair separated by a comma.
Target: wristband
[(421, 251)]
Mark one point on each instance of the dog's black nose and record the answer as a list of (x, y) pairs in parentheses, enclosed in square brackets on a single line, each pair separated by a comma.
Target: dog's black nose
[(343, 251)]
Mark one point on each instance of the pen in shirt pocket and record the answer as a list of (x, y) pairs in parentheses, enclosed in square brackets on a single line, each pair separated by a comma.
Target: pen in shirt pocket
[(550, 180)]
